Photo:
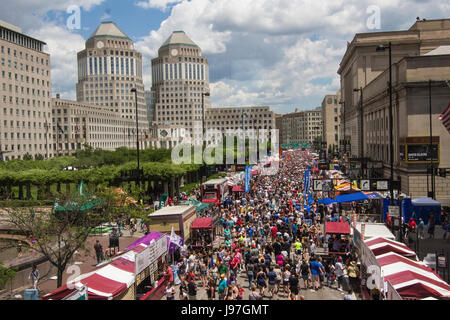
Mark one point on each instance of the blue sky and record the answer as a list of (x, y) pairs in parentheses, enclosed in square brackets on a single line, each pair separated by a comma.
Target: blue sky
[(280, 53)]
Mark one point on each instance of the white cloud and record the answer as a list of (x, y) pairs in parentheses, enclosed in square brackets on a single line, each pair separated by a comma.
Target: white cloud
[(283, 53), (162, 5)]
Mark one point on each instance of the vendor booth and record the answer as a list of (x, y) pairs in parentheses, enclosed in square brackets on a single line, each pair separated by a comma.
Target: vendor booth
[(203, 231), (423, 207), (179, 217), (128, 275), (338, 238), (400, 275)]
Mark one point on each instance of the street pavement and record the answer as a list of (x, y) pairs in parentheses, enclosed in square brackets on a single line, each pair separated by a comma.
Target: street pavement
[(325, 293)]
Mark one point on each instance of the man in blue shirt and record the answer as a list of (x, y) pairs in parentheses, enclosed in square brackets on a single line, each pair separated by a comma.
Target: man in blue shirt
[(316, 270)]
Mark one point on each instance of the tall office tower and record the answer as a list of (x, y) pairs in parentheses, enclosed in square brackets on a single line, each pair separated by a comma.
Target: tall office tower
[(180, 74), (108, 68), (25, 93)]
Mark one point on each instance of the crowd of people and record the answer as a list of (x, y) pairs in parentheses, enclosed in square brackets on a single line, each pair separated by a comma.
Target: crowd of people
[(270, 238)]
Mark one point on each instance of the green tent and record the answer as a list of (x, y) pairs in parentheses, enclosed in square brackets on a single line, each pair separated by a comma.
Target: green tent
[(82, 200), (199, 206)]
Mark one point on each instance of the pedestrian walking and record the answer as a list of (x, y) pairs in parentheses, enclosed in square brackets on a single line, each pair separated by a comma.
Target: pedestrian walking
[(98, 251), (34, 276)]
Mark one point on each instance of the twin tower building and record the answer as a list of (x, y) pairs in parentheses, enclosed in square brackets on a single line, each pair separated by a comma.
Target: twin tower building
[(104, 114), (178, 102), (109, 67)]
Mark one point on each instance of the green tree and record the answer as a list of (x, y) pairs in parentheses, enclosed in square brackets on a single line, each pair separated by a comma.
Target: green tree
[(6, 274), (58, 234)]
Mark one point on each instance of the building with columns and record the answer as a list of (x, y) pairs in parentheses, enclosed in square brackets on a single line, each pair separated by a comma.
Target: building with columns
[(419, 54), (180, 78), (108, 68), (82, 123)]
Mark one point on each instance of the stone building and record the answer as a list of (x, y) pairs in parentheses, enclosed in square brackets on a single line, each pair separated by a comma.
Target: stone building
[(76, 123), (108, 68), (300, 126), (180, 80), (25, 95), (415, 62), (331, 109)]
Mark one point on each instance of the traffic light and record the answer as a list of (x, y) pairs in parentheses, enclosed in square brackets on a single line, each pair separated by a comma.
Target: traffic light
[(442, 172)]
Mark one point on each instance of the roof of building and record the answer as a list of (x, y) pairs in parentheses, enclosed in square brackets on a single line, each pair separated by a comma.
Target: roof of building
[(179, 38), (109, 29), (438, 51), (10, 26), (172, 210)]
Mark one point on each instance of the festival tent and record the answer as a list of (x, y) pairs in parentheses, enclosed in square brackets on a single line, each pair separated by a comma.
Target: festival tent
[(237, 189), (351, 197), (107, 282), (154, 235), (202, 223), (326, 201), (337, 228), (422, 207), (372, 195), (374, 230), (381, 246), (411, 279)]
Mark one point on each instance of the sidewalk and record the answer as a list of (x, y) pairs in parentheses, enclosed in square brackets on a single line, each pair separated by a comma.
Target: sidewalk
[(85, 260)]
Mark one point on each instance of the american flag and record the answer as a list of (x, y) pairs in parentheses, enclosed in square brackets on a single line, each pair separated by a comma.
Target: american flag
[(445, 118)]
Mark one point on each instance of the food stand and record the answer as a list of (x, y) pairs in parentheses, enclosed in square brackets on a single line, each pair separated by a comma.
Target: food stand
[(338, 237), (179, 217), (203, 231)]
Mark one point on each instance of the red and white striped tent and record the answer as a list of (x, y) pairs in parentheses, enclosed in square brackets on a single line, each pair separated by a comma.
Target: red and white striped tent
[(381, 246), (107, 282), (411, 279)]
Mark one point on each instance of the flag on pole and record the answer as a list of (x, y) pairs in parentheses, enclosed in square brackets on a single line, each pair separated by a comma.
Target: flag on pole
[(176, 239), (59, 128), (445, 118)]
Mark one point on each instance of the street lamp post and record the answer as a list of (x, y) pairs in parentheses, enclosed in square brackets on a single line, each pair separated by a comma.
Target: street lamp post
[(382, 48), (430, 153), (207, 94), (137, 144), (362, 131), (342, 103)]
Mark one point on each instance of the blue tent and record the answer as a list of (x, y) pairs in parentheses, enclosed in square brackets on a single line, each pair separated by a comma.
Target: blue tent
[(422, 208), (326, 201), (407, 209), (358, 196), (386, 204)]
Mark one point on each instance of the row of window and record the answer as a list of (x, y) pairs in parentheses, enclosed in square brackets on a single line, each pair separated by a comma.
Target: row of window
[(20, 66), (19, 53), (5, 112), (24, 136), (22, 102)]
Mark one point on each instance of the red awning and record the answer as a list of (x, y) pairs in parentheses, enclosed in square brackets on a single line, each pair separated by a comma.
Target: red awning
[(202, 223), (337, 227), (237, 189)]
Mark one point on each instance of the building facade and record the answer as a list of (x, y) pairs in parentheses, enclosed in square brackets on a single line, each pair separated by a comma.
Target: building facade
[(362, 63), (414, 64), (331, 110), (25, 91), (300, 126), (76, 124), (108, 68), (180, 80)]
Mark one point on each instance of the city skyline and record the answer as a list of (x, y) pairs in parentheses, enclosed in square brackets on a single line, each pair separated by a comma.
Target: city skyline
[(277, 60)]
